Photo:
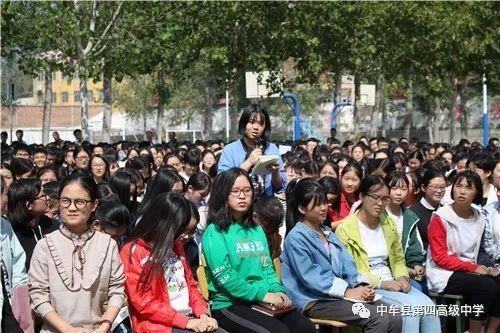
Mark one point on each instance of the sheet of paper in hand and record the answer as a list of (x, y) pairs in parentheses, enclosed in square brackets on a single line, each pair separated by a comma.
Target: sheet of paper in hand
[(260, 168)]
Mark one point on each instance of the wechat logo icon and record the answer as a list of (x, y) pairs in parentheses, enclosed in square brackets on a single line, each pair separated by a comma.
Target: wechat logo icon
[(360, 310)]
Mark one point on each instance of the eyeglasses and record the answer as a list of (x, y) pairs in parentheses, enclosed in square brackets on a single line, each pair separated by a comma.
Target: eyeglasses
[(41, 196), (82, 158), (79, 203), (376, 198), (352, 180), (98, 165), (236, 192), (437, 188)]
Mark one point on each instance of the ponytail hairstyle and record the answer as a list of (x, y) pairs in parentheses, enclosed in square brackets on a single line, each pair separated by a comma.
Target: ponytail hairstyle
[(304, 192)]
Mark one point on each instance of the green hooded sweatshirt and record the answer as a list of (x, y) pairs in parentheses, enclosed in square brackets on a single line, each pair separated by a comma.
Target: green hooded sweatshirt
[(240, 270)]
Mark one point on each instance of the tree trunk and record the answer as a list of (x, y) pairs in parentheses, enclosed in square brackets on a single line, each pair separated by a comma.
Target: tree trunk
[(47, 107), (239, 98), (463, 107), (161, 105), (409, 110), (453, 105), (380, 87), (233, 112), (337, 92), (144, 124), (108, 109), (209, 109), (437, 113), (357, 104), (84, 103)]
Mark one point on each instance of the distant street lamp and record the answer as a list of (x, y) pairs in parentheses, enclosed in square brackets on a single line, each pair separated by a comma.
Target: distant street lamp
[(486, 120)]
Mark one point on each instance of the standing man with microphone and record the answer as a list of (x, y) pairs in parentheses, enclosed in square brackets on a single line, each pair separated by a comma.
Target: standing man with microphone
[(255, 129)]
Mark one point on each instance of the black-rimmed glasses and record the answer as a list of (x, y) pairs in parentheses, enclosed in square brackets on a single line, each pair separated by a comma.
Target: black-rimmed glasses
[(79, 203)]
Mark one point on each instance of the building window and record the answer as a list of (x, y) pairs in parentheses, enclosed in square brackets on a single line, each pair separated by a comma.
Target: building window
[(76, 96), (64, 97), (90, 95), (54, 97), (40, 76), (54, 76)]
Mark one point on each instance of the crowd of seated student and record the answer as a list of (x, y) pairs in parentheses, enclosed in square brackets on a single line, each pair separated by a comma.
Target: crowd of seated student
[(363, 219)]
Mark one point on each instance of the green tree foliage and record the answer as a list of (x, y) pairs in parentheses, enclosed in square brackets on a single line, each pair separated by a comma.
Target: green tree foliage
[(430, 50)]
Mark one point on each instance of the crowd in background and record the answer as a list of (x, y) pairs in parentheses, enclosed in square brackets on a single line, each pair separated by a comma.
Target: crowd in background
[(107, 236)]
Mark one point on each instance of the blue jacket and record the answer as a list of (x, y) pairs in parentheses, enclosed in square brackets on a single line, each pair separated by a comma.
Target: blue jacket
[(310, 273), (234, 155), (13, 255)]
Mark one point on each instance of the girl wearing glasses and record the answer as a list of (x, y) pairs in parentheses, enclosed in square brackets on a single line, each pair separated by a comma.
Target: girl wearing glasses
[(162, 294), (76, 276), (240, 270), (318, 272), (371, 237), (27, 206), (81, 155), (455, 233), (433, 190)]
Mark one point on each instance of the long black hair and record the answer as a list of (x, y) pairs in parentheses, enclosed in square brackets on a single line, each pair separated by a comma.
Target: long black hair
[(121, 182), (112, 214), (162, 182), (21, 192), (304, 192), (332, 186), (160, 227), (20, 166), (218, 208)]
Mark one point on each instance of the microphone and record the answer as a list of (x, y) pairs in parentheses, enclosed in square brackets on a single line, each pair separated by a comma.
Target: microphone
[(259, 143)]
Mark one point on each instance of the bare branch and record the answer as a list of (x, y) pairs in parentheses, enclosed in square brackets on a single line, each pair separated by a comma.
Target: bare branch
[(78, 39), (108, 28), (88, 48)]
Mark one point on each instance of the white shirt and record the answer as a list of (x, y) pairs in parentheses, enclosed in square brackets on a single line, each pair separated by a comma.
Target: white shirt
[(178, 291), (467, 236), (376, 247), (398, 220)]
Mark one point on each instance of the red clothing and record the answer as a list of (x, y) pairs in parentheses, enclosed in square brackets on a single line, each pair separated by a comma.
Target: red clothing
[(345, 207), (150, 309), (331, 215), (439, 249)]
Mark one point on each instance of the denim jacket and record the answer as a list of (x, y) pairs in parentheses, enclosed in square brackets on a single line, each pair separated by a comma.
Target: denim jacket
[(491, 236), (310, 273), (13, 255)]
